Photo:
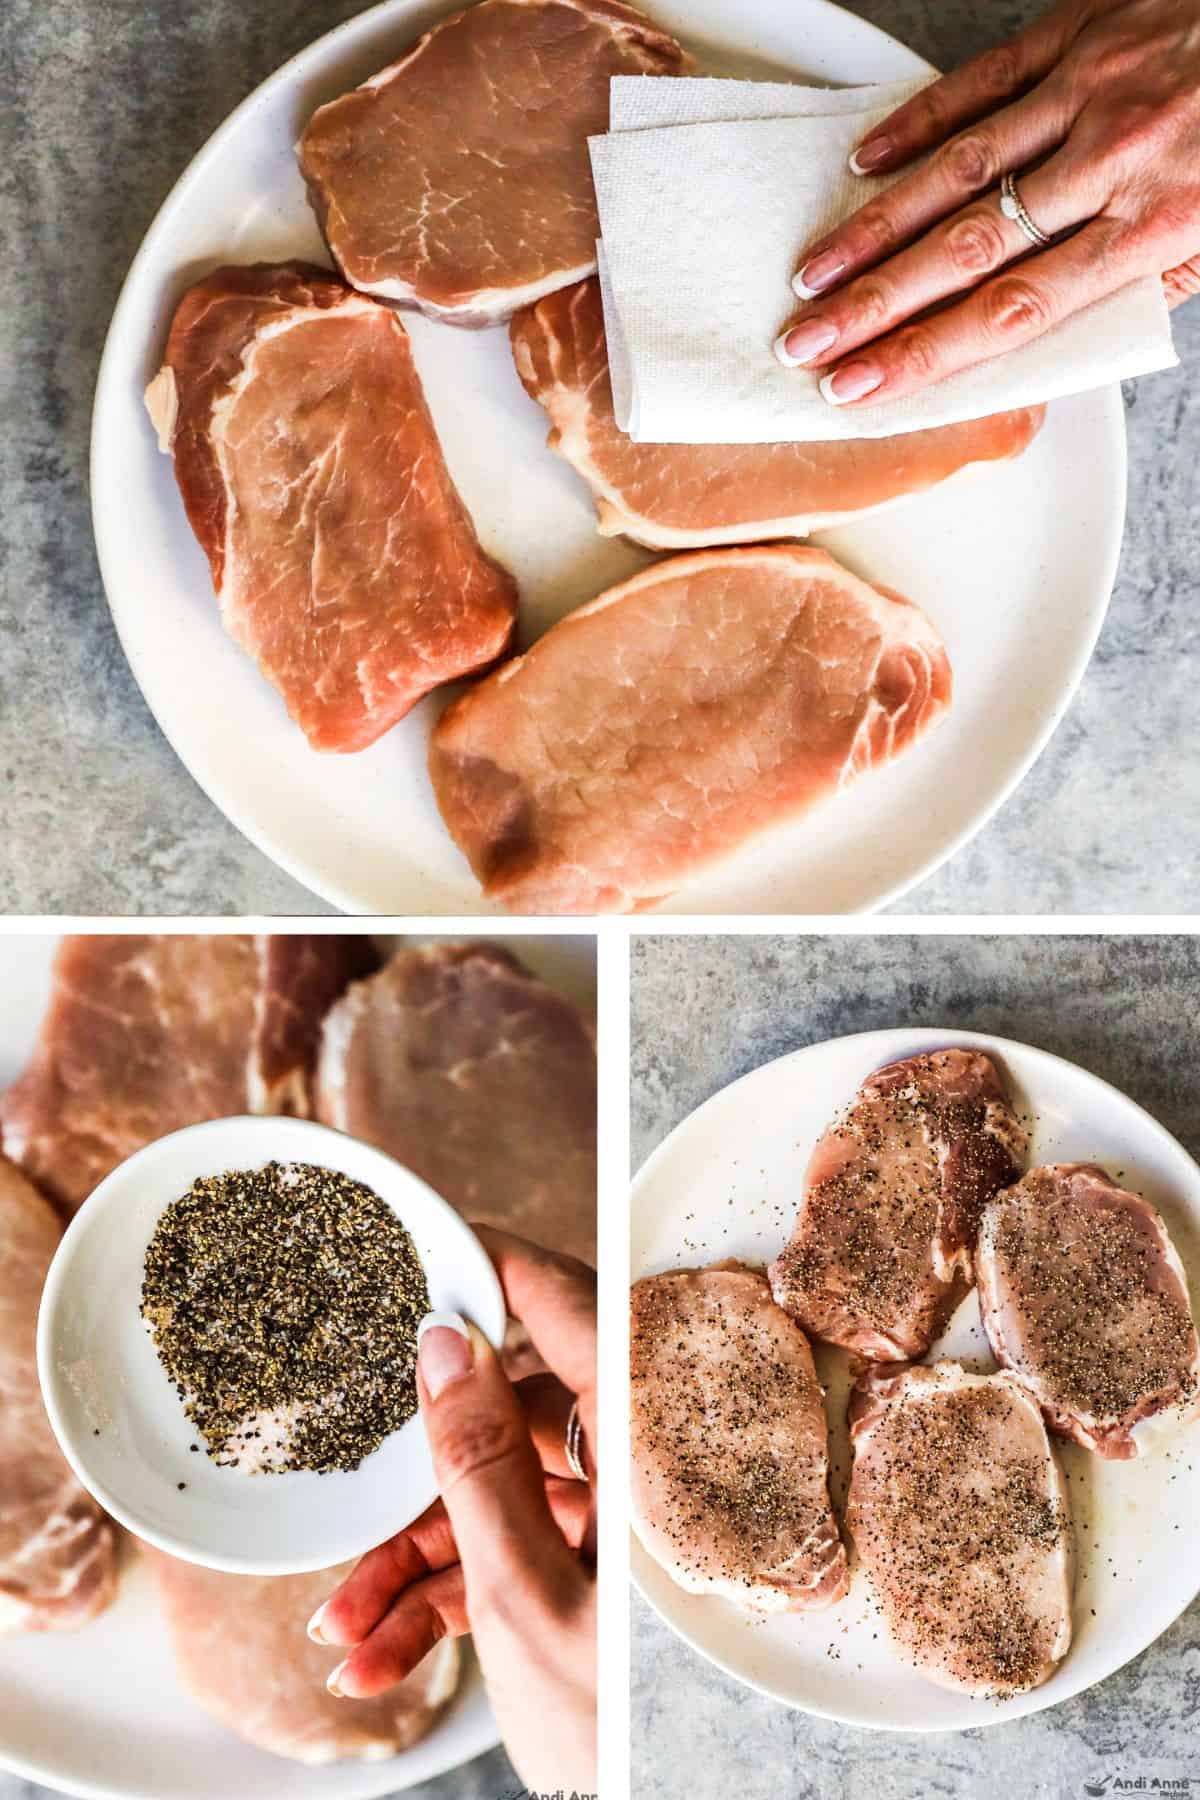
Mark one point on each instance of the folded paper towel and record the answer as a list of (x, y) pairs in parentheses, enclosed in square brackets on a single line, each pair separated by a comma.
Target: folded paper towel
[(708, 190)]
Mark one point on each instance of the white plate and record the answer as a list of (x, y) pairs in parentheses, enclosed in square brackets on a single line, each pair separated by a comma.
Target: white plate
[(1138, 1550), (72, 1703), (1014, 564), (116, 1414)]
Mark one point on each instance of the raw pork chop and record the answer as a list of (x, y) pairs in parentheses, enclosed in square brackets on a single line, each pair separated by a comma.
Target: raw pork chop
[(243, 1654), (1085, 1299), (729, 1444), (674, 496), (959, 1513), (882, 1248), (342, 556), (457, 180), (649, 734), (144, 1035), (480, 1078), (57, 1550)]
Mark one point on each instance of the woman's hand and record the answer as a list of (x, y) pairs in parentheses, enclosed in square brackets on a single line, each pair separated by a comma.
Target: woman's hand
[(507, 1552), (1095, 109)]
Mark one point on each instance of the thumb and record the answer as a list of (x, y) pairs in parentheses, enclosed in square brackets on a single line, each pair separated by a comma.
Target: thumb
[(487, 1468)]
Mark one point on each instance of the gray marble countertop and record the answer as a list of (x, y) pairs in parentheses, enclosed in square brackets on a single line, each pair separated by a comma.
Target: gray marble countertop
[(706, 1010), (106, 102)]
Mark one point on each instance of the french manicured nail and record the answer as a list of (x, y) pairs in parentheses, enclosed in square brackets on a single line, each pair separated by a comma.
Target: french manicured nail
[(815, 276), (444, 1352), (314, 1624), (871, 155), (803, 342), (334, 1681), (851, 382)]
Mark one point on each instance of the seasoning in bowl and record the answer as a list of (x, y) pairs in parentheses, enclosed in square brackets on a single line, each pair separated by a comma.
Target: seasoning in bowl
[(284, 1304)]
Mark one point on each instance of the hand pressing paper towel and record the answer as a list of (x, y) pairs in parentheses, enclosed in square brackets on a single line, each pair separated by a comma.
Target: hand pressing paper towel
[(702, 224)]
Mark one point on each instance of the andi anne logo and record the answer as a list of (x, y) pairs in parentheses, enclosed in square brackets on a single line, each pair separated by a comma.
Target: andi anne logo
[(1139, 1784)]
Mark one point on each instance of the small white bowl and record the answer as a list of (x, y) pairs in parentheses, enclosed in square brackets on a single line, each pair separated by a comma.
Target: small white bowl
[(118, 1419)]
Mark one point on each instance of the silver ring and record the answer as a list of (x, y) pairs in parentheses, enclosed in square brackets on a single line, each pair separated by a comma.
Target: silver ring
[(1013, 207), (573, 1444)]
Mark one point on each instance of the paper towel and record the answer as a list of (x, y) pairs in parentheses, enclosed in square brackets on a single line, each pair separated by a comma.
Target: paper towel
[(708, 190)]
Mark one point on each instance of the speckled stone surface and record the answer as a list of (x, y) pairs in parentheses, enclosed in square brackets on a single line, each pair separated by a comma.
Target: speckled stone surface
[(105, 103), (706, 1010)]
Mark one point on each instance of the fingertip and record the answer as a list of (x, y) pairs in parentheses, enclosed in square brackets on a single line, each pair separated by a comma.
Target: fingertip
[(446, 1351), (449, 1321), (323, 1628), (851, 381), (871, 155), (334, 1682), (782, 352)]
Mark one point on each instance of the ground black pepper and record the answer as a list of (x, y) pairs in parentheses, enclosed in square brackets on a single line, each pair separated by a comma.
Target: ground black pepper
[(284, 1304), (892, 1201)]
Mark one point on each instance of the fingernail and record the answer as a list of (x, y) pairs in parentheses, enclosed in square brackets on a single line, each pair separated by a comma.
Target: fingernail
[(444, 1351), (815, 276), (850, 382), (334, 1681), (314, 1624), (803, 342), (870, 155)]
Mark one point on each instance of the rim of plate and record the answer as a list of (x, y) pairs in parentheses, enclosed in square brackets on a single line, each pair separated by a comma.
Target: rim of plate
[(30, 1770), (922, 1037), (261, 833), (1115, 514)]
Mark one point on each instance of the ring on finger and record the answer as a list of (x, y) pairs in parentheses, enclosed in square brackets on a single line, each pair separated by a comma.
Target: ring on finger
[(1013, 207), (573, 1444)]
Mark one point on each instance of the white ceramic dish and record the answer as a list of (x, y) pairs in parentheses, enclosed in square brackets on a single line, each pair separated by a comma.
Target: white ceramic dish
[(117, 1417), (1015, 564), (714, 1185), (71, 1703)]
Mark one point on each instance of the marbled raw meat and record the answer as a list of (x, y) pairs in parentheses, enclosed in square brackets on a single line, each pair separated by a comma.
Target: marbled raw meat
[(682, 496), (883, 1246), (480, 1078), (457, 179), (343, 558), (959, 1514), (1085, 1300), (244, 1656), (144, 1035), (730, 1455), (57, 1549), (651, 733)]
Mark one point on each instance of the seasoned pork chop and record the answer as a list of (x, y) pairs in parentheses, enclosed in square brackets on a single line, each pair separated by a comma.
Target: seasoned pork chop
[(57, 1549), (676, 496), (457, 180), (244, 1656), (959, 1514), (1085, 1300), (342, 556), (882, 1249), (144, 1035), (480, 1078), (649, 734), (729, 1443)]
